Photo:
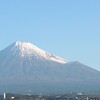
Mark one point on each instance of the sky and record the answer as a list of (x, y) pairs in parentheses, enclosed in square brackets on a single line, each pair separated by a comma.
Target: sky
[(67, 28)]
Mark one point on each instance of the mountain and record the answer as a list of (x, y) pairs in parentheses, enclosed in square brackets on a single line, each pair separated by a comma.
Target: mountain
[(25, 68)]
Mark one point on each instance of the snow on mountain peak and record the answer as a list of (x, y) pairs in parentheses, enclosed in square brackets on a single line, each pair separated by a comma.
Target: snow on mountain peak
[(26, 49)]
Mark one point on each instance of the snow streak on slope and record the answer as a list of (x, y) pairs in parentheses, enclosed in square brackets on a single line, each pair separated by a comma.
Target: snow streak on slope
[(26, 49)]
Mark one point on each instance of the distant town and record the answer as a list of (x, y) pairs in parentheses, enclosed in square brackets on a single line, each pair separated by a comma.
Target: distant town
[(67, 96)]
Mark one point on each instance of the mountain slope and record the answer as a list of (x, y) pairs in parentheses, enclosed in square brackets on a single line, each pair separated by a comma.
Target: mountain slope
[(25, 67)]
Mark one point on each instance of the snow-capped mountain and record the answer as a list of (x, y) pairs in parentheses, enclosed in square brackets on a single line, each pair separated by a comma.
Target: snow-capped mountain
[(26, 49), (25, 67)]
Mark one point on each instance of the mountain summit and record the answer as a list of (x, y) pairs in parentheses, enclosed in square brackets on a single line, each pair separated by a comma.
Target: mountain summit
[(26, 49), (25, 68)]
